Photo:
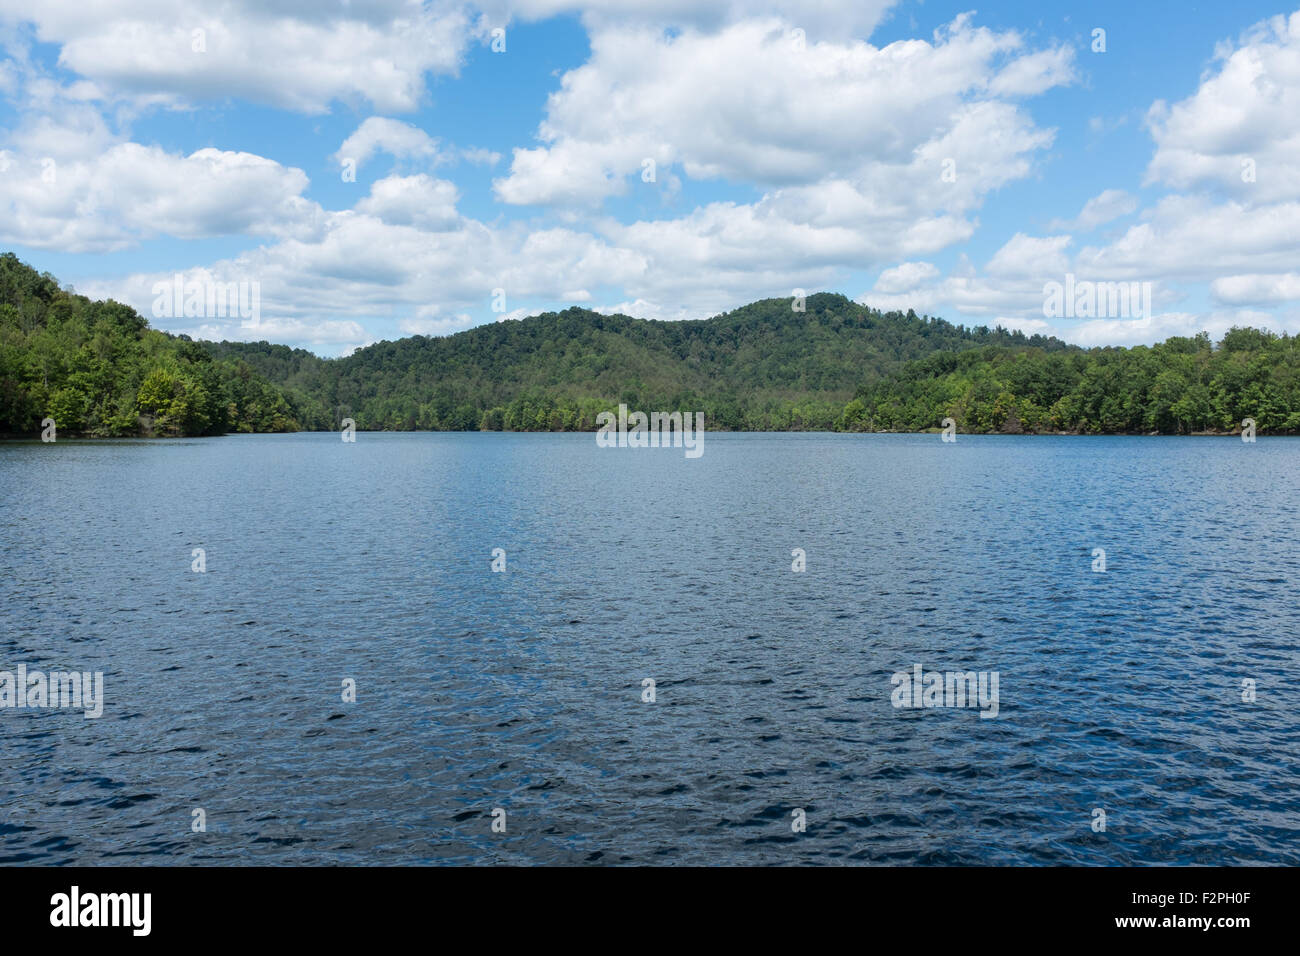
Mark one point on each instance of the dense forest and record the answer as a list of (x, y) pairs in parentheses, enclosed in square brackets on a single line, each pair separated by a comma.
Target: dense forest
[(1181, 386), (97, 369), (760, 367)]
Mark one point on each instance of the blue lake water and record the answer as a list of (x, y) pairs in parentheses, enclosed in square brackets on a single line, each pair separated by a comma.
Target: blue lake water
[(1120, 691)]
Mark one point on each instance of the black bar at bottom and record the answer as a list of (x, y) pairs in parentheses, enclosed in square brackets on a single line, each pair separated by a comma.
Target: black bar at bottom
[(368, 905)]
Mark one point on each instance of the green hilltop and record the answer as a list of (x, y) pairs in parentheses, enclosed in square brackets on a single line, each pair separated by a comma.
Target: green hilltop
[(759, 367)]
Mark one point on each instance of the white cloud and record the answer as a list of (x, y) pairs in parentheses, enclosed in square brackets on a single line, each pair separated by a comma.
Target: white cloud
[(906, 277), (1031, 257), (360, 268), (644, 309), (1193, 238), (420, 201), (294, 55), (817, 17), (969, 295), (1108, 205), (749, 104), (427, 321), (479, 156), (1246, 113), (1164, 325), (325, 335), (380, 134), (132, 192), (1035, 73), (1257, 289)]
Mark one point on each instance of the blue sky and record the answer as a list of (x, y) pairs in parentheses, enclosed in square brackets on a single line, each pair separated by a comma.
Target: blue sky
[(910, 155)]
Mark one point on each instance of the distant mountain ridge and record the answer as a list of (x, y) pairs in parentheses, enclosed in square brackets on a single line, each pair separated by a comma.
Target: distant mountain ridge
[(761, 366), (98, 370)]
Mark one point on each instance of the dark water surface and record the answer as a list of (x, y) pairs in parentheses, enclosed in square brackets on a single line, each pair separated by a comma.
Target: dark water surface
[(522, 690)]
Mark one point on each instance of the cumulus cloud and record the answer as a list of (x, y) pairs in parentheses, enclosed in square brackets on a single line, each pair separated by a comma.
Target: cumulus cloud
[(419, 201), (405, 141), (1192, 237), (293, 55), (906, 277), (1257, 289), (1240, 131), (132, 192), (380, 134), (1031, 257), (360, 268), (756, 103)]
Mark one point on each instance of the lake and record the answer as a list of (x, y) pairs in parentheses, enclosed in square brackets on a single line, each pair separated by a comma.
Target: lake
[(1123, 691)]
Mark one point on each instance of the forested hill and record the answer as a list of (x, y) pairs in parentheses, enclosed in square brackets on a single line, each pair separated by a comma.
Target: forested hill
[(97, 369), (762, 366)]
